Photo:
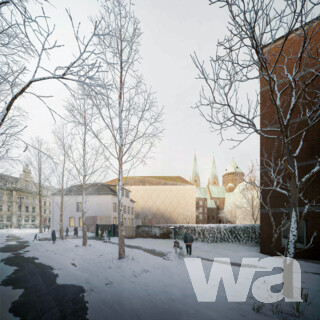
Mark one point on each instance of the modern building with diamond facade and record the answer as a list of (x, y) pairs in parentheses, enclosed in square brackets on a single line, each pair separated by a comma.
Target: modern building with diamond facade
[(162, 199)]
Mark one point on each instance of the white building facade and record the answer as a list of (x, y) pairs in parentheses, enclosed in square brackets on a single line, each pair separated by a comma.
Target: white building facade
[(101, 207)]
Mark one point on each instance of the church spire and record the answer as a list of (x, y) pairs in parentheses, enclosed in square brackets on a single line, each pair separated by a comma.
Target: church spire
[(195, 178), (213, 180)]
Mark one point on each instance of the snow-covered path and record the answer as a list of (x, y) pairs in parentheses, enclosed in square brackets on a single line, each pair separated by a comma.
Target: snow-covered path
[(146, 286)]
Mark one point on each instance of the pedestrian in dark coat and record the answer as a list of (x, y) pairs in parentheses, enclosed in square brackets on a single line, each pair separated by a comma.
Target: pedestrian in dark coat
[(53, 236), (109, 234), (35, 237), (188, 240), (67, 232)]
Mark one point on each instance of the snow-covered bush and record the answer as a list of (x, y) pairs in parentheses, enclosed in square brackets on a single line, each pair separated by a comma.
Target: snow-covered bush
[(247, 233)]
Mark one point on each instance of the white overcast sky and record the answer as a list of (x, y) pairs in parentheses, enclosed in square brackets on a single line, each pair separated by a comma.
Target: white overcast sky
[(172, 30)]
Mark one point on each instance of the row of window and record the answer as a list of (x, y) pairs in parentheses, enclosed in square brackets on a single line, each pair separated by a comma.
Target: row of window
[(72, 222), (125, 209), (25, 219), (27, 199)]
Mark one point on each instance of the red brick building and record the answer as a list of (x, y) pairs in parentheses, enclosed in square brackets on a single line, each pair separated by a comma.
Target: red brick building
[(310, 152)]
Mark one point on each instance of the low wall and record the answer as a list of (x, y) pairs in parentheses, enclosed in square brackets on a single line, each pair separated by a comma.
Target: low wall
[(247, 233)]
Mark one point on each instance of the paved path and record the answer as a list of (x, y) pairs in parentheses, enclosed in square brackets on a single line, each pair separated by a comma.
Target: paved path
[(42, 297)]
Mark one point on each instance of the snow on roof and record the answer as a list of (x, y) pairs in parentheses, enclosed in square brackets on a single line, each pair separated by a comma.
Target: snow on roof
[(202, 193), (217, 191), (233, 167)]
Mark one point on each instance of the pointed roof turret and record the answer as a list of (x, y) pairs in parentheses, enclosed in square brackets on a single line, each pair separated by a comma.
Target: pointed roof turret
[(233, 167), (195, 178), (213, 180)]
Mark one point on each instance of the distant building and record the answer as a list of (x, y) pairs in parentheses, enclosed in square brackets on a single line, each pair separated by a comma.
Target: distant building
[(162, 199), (221, 204), (101, 203), (19, 201)]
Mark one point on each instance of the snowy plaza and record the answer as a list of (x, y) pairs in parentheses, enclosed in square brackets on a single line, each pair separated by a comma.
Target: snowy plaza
[(152, 282)]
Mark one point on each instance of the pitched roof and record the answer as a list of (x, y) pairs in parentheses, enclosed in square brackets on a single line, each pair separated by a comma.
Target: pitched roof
[(152, 181), (217, 191), (92, 189), (202, 193)]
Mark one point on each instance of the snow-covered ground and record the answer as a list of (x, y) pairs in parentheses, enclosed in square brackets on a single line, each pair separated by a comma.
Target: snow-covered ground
[(149, 286)]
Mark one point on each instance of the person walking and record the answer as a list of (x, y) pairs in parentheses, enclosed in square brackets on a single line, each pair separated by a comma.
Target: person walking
[(53, 236), (188, 240), (67, 232), (35, 237), (109, 234)]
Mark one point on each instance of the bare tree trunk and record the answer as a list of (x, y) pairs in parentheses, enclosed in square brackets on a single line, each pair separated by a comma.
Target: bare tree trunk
[(40, 191), (61, 213), (84, 226), (84, 181), (121, 232)]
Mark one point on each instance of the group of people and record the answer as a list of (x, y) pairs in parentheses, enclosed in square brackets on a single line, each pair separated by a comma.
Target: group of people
[(103, 232), (187, 238), (75, 232)]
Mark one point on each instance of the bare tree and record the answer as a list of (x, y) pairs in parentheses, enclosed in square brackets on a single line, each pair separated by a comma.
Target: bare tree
[(86, 156), (250, 196), (274, 42), (26, 41), (41, 165), (61, 160), (129, 120), (10, 136)]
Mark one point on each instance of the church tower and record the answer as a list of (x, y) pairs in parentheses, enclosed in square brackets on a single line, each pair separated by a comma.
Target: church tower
[(195, 178), (213, 180)]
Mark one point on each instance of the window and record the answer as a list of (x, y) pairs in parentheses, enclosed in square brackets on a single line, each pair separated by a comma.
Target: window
[(71, 222), (79, 206), (45, 203), (27, 208), (127, 194), (49, 220), (124, 209), (8, 218), (200, 216), (80, 222), (33, 219), (301, 241), (114, 220), (1, 208), (9, 208), (26, 219), (132, 210), (45, 211), (9, 198), (1, 197), (33, 200), (27, 199), (114, 207), (33, 209), (124, 221), (19, 207), (128, 222), (1, 218), (132, 222)]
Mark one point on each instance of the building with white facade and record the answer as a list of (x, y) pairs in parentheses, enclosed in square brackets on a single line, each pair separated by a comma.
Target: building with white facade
[(101, 207)]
